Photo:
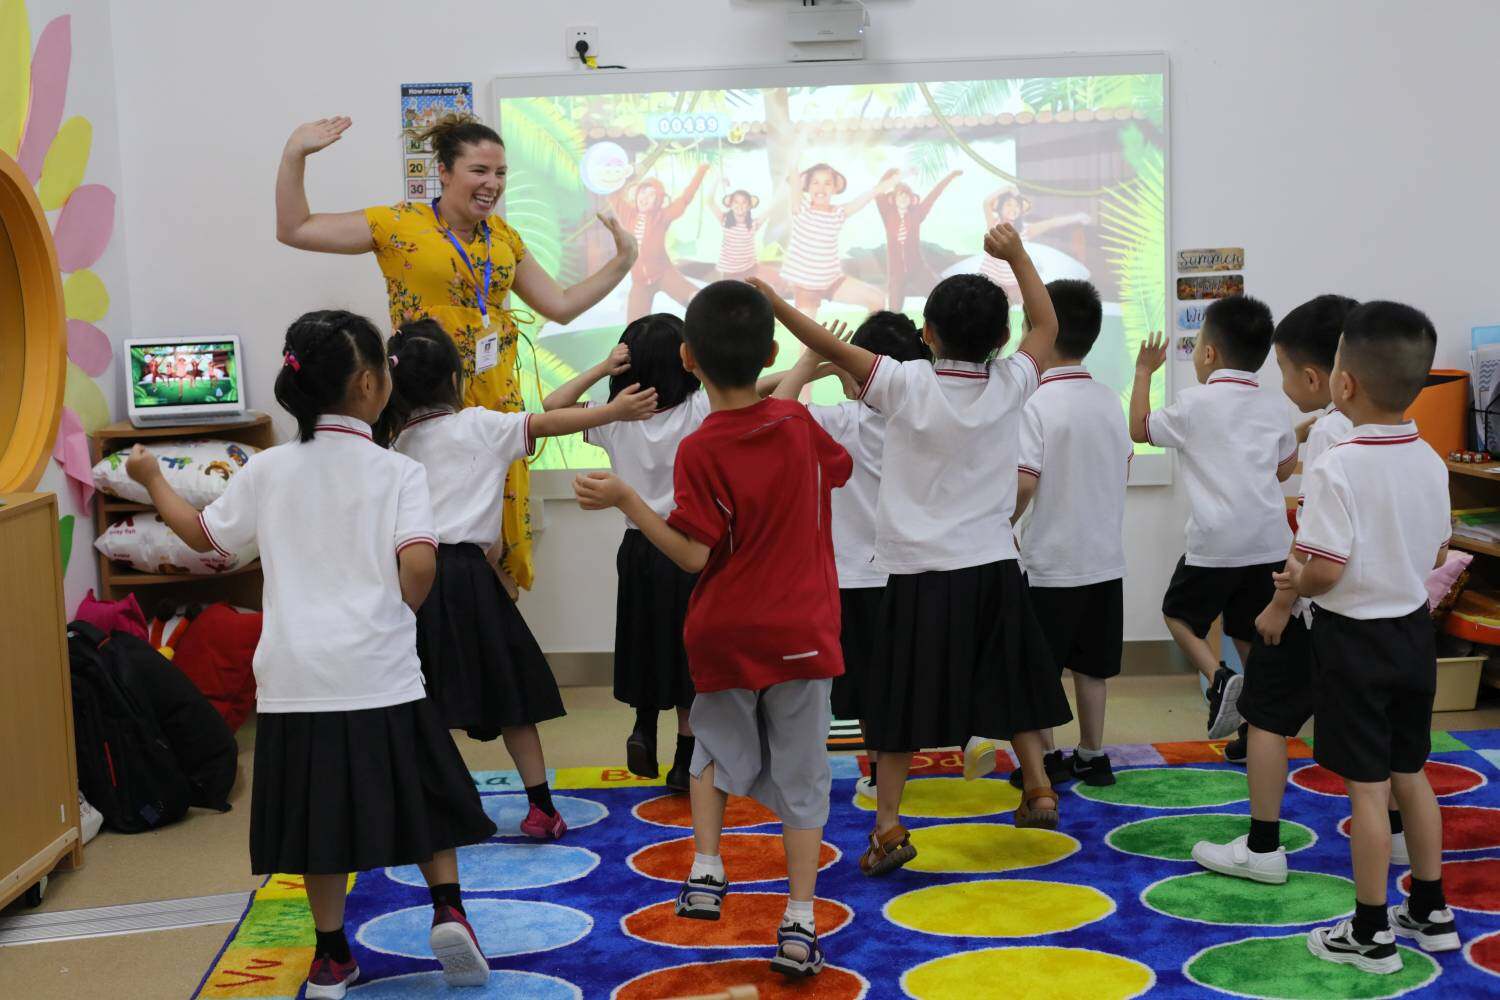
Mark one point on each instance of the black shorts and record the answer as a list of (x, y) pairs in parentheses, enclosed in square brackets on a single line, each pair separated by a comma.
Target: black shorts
[(1199, 594), (1375, 682), (1279, 694), (1084, 626)]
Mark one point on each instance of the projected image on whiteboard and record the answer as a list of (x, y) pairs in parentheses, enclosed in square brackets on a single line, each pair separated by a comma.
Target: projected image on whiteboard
[(847, 198)]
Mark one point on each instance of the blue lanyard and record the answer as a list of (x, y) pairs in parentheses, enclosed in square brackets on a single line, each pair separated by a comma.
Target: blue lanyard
[(484, 295)]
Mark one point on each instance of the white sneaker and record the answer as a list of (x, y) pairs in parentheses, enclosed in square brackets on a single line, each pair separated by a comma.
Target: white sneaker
[(1437, 933), (1236, 859), (1338, 944), (979, 757), (864, 786), (89, 819), (1399, 854)]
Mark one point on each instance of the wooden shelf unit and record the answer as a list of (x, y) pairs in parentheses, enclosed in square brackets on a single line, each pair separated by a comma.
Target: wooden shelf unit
[(241, 587), (1476, 484)]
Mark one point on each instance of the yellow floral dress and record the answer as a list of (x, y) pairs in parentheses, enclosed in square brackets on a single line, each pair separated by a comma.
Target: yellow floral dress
[(426, 278)]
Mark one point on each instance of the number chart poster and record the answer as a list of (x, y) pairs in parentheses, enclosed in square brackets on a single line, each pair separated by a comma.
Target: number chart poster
[(422, 104)]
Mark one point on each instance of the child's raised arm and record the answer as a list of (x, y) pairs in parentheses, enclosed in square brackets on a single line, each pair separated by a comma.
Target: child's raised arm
[(857, 361), (1005, 243), (601, 490), (885, 185), (631, 403), (1152, 355), (179, 515), (571, 391), (809, 367)]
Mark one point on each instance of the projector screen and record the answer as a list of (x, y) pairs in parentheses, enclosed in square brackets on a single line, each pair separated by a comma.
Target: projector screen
[(850, 187)]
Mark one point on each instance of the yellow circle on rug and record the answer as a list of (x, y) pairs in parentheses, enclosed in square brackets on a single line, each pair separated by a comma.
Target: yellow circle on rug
[(1018, 908), (1002, 973), (951, 798), (956, 848)]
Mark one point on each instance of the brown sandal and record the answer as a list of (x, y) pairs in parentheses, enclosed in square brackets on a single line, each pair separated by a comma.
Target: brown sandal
[(888, 851), (1029, 817)]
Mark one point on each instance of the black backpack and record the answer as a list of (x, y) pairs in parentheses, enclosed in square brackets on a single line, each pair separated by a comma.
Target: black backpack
[(126, 768)]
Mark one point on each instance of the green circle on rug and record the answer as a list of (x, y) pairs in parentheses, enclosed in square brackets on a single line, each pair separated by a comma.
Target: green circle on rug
[(1171, 788), (1209, 898), (1283, 968), (1171, 838)]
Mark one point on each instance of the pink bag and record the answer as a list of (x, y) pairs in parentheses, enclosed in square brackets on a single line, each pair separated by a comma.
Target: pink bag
[(107, 616)]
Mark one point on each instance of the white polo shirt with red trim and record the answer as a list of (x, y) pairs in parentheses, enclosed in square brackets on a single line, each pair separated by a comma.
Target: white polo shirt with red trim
[(952, 441), (643, 452), (329, 516), (1232, 438), (861, 431), (1378, 504), (466, 455), (1075, 441)]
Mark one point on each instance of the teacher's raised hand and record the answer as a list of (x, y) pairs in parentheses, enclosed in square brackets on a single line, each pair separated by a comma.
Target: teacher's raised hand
[(625, 244), (314, 136)]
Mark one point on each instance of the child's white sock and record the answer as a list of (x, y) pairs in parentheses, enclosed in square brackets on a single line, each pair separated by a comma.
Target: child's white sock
[(799, 913), (1086, 754), (708, 864)]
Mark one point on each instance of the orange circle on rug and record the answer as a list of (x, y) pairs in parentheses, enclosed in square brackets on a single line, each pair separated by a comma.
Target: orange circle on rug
[(748, 857), (1468, 885), (698, 978), (677, 810), (749, 920), (1484, 953), (1446, 779), (1465, 828)]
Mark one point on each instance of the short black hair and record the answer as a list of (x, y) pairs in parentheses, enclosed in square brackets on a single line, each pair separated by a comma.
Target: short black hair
[(893, 335), (1240, 329), (970, 315), (1309, 334), (730, 328), (1389, 348), (655, 343), (425, 371), (323, 350), (1080, 314)]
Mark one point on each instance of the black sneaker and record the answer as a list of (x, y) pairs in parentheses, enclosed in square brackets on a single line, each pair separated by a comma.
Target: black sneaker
[(1436, 933), (1338, 944), (1096, 772), (679, 778), (640, 755), (1055, 764), (1223, 703), (1237, 749)]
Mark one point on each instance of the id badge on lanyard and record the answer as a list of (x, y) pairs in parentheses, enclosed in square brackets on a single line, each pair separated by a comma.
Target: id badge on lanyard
[(487, 346)]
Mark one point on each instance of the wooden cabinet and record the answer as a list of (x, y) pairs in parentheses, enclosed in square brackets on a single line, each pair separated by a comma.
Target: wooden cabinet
[(242, 587), (39, 774)]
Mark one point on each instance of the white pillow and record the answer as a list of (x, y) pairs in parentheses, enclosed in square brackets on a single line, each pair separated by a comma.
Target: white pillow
[(147, 544), (198, 470)]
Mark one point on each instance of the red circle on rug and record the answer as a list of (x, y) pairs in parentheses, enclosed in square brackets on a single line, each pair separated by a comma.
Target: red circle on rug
[(749, 920), (709, 977), (748, 857), (1468, 885), (1465, 828), (677, 810), (1446, 779), (1484, 953)]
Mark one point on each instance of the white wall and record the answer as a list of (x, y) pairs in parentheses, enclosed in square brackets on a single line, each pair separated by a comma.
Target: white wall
[(1347, 146)]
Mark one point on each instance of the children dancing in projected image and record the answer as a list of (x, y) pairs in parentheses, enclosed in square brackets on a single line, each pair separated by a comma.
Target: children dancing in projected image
[(644, 210), (812, 265), (1008, 206), (906, 268)]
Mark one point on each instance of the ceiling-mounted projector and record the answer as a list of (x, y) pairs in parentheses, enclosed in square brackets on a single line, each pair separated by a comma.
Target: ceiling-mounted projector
[(826, 31)]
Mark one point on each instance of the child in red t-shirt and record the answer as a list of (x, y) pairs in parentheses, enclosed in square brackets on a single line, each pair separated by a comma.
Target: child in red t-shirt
[(752, 516)]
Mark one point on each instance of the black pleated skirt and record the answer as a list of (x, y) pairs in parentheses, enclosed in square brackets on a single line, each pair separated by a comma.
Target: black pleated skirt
[(651, 667), (484, 669), (349, 791), (959, 653), (861, 611)]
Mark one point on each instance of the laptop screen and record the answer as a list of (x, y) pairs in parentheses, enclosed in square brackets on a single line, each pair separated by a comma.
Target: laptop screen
[(171, 374)]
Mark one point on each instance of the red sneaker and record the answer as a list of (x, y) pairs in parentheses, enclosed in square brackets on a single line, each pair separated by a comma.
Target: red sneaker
[(543, 827), (454, 945), (328, 980)]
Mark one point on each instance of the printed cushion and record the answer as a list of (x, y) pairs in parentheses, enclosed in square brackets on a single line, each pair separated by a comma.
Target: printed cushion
[(198, 470)]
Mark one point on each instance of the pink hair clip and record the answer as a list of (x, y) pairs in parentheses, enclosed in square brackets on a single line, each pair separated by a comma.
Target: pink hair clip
[(289, 360), (395, 361)]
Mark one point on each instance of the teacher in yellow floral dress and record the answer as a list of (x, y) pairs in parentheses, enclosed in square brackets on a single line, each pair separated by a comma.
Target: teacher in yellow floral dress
[(455, 261)]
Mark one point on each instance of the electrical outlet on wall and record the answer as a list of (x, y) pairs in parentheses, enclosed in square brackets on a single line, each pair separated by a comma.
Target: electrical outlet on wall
[(583, 33)]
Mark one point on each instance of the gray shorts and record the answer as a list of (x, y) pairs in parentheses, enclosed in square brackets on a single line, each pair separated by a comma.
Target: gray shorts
[(771, 745)]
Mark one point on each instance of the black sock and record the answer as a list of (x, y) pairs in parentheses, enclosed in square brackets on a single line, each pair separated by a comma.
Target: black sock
[(447, 894), (685, 746), (1369, 920), (873, 765), (541, 797), (1425, 897), (1265, 835), (1395, 817), (332, 944), (645, 722)]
